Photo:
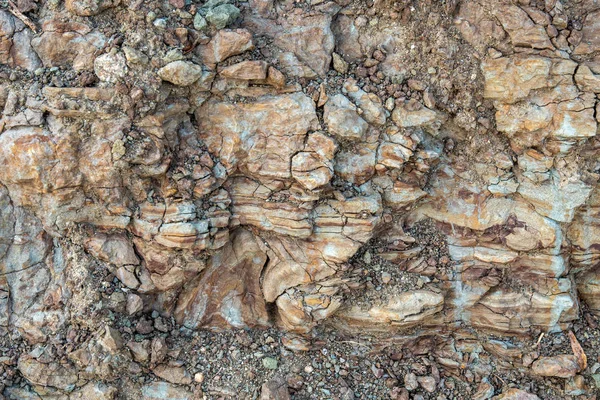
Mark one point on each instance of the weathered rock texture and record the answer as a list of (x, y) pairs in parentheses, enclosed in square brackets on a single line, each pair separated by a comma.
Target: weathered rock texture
[(231, 176)]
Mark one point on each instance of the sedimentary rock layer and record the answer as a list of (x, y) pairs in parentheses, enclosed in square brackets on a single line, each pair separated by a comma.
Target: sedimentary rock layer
[(242, 164)]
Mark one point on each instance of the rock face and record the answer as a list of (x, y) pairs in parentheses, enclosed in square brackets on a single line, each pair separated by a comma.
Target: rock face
[(69, 44), (258, 138), (228, 293), (15, 44), (342, 118), (171, 167)]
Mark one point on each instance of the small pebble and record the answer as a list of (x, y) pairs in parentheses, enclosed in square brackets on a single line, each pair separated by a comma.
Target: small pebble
[(270, 363)]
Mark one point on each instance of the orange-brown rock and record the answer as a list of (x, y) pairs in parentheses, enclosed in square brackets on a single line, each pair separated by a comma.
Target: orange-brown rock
[(370, 105), (531, 310), (251, 205), (358, 166), (69, 44), (307, 37), (53, 375), (521, 29), (228, 293), (83, 102), (224, 44), (278, 127), (587, 80), (342, 118), (115, 249), (562, 366), (317, 164), (405, 118), (589, 41), (246, 70), (180, 73), (313, 168), (400, 311)]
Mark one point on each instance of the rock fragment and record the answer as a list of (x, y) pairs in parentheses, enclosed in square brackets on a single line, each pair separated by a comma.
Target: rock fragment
[(308, 37), (427, 383), (587, 80), (177, 375), (484, 391), (246, 70), (561, 366), (270, 363), (406, 118), (110, 67), (180, 73), (111, 340), (200, 23), (134, 304), (275, 389), (310, 170), (222, 15), (522, 30), (273, 128), (52, 374), (233, 273), (515, 394), (226, 43), (339, 64), (356, 167), (95, 391), (410, 381), (342, 118), (369, 103), (140, 350)]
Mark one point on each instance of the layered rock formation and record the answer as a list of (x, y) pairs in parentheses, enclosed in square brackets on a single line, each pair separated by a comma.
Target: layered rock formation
[(247, 165)]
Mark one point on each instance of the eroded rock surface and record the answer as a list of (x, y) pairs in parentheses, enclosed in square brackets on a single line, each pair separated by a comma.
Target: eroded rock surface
[(378, 169)]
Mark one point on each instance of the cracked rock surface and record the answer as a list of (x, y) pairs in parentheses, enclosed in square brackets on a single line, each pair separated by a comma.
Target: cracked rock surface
[(299, 199)]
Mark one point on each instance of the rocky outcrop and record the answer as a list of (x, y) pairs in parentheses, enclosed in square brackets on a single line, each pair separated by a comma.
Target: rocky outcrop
[(279, 164), (68, 44), (258, 138), (228, 293), (16, 48)]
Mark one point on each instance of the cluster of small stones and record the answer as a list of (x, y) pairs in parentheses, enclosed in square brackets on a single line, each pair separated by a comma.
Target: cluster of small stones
[(228, 162)]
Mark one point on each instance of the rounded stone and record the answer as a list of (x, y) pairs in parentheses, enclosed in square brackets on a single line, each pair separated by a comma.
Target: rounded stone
[(180, 73)]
